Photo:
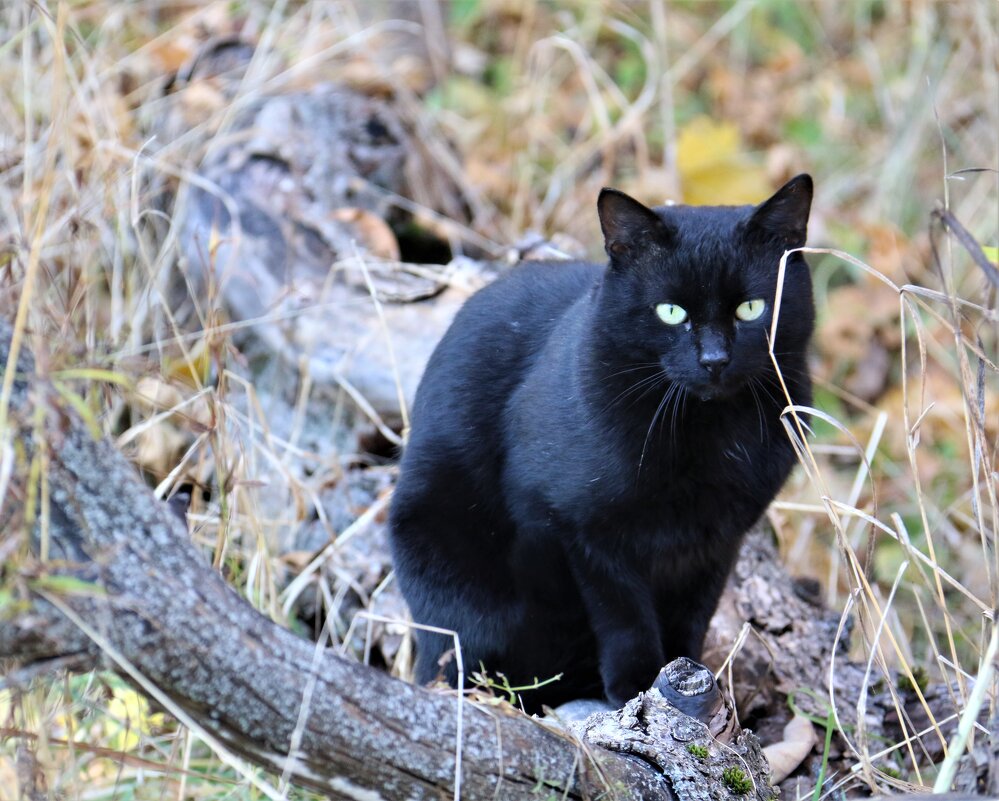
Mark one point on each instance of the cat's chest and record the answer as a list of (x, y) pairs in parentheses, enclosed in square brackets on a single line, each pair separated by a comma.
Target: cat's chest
[(684, 506), (674, 493), (589, 471), (704, 463), (670, 528)]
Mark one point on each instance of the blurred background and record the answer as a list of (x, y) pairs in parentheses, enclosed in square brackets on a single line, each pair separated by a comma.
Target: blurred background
[(187, 190)]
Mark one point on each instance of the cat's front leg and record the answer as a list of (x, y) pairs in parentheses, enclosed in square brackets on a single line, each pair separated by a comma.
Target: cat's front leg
[(621, 613), (686, 595)]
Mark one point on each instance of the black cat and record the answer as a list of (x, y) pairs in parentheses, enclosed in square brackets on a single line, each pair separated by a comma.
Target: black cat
[(590, 443)]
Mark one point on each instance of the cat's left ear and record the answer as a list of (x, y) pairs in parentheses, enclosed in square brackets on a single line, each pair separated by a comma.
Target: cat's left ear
[(629, 227), (784, 217)]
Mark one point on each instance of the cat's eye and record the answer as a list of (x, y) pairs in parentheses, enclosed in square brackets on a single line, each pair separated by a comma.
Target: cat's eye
[(750, 310), (671, 314)]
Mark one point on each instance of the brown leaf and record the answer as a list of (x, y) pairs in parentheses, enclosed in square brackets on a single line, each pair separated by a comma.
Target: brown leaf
[(785, 756), (372, 233)]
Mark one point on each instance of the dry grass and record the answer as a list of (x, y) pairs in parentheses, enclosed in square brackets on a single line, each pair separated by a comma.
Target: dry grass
[(888, 105)]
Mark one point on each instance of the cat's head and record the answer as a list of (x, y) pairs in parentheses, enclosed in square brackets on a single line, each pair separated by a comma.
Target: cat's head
[(693, 288)]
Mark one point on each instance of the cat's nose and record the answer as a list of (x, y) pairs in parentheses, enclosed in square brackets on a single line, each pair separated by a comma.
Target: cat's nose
[(714, 360)]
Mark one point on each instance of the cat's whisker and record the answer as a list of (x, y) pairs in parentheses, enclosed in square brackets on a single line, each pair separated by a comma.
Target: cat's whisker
[(670, 392), (787, 369), (772, 387), (776, 390), (633, 368), (759, 406), (679, 400), (662, 419), (682, 403), (649, 383), (664, 379)]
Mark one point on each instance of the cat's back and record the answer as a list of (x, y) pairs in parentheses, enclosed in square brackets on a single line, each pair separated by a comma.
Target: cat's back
[(494, 339)]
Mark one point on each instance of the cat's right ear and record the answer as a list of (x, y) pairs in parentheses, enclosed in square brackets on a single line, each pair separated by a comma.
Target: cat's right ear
[(629, 226), (784, 217)]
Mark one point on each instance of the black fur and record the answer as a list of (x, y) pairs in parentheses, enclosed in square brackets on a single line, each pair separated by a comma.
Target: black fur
[(579, 473)]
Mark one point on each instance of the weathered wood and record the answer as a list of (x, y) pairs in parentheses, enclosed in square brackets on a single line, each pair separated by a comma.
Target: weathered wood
[(686, 749), (157, 612)]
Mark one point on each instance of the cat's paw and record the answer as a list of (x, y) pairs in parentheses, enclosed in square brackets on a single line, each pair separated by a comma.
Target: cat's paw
[(623, 685)]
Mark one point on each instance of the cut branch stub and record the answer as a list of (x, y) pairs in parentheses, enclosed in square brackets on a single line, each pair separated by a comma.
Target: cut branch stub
[(699, 766)]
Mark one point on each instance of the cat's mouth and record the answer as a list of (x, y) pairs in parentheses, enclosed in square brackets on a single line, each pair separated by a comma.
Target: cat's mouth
[(716, 389), (710, 393)]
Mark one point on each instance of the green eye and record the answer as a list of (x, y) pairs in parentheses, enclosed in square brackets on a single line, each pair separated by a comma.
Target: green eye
[(750, 310), (671, 314)]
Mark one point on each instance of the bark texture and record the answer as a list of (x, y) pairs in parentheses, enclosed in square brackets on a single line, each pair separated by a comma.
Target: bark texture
[(144, 601)]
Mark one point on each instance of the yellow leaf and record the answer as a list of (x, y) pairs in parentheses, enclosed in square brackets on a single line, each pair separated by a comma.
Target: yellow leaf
[(713, 167), (130, 716), (192, 368)]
